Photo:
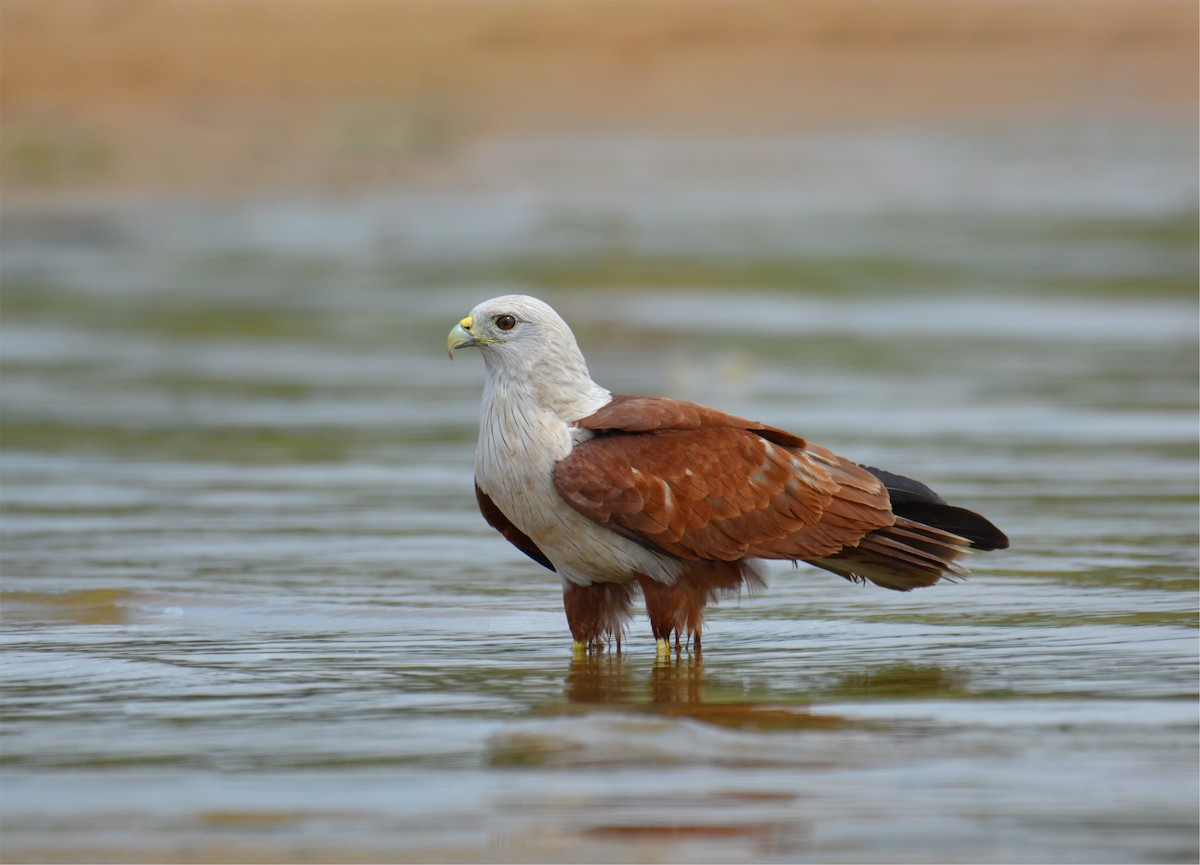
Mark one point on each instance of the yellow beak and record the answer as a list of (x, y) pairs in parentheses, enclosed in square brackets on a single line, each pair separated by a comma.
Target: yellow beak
[(460, 336)]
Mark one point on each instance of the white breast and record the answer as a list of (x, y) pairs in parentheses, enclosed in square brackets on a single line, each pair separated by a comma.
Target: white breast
[(519, 444)]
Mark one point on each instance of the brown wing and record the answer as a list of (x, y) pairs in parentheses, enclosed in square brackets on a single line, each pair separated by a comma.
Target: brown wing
[(651, 414), (701, 484), (496, 519)]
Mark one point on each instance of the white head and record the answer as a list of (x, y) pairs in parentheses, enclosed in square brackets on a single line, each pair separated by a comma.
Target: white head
[(527, 346)]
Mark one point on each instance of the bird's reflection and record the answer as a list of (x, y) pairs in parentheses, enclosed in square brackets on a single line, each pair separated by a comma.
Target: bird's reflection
[(679, 685), (598, 679), (606, 679), (677, 681)]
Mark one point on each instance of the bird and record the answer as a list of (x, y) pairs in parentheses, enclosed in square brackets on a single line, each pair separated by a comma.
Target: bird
[(622, 494)]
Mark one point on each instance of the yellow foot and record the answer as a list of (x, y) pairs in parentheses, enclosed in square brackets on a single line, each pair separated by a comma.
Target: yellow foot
[(662, 647), (579, 650)]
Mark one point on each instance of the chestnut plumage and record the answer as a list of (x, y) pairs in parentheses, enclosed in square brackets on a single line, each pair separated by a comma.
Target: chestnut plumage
[(621, 494)]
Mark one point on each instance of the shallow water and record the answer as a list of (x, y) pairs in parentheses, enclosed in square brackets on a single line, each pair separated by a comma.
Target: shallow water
[(251, 613)]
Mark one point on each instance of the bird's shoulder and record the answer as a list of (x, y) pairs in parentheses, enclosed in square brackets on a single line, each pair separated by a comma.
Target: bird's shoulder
[(642, 414)]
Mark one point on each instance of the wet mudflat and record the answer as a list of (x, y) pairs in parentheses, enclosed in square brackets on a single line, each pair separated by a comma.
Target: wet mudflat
[(251, 613)]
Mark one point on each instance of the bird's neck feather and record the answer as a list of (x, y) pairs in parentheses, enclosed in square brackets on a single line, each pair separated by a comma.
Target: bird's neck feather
[(557, 384)]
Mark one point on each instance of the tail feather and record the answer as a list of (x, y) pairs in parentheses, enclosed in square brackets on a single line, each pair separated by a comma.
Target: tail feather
[(927, 543), (917, 502), (962, 522), (933, 555), (904, 556)]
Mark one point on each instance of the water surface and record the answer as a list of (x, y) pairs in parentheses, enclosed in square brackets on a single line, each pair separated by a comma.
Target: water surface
[(250, 611)]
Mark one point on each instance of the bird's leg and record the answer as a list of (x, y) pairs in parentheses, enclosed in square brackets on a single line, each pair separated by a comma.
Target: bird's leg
[(596, 611), (663, 605)]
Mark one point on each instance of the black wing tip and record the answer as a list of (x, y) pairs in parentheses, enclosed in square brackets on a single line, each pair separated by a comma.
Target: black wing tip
[(904, 489), (916, 501), (996, 540), (979, 530)]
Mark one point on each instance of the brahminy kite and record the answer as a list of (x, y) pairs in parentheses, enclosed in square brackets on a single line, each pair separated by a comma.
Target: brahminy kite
[(620, 493)]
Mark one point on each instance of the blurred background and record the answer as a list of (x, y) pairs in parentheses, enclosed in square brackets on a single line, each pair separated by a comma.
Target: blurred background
[(250, 611), (252, 175)]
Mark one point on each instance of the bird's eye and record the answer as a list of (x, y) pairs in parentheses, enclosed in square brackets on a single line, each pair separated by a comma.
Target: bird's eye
[(505, 322)]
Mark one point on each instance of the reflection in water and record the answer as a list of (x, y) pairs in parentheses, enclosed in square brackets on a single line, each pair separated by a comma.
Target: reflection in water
[(603, 679), (679, 687), (598, 679), (677, 681)]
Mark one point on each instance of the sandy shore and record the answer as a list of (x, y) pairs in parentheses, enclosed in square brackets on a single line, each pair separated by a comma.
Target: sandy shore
[(196, 95)]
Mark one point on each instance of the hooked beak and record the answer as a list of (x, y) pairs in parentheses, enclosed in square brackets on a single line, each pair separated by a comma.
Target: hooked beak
[(461, 336)]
